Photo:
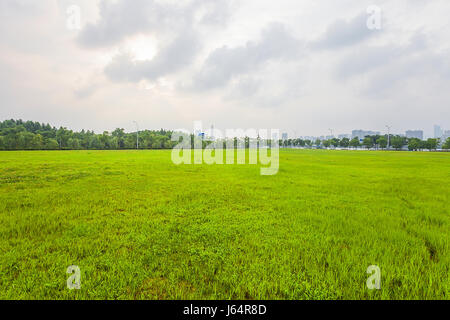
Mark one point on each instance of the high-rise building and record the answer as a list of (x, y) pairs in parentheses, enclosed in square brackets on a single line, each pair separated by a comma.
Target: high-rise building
[(414, 134), (284, 136), (437, 131), (211, 134), (445, 136)]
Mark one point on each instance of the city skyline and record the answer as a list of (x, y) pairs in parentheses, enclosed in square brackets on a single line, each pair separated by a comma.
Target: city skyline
[(413, 133)]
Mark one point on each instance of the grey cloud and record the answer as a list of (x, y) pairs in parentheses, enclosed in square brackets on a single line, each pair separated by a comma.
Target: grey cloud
[(218, 12), (277, 85), (430, 69), (20, 7), (344, 33), (178, 54), (121, 19), (368, 58), (85, 92), (365, 59), (225, 63), (246, 86), (385, 68), (175, 25), (260, 94)]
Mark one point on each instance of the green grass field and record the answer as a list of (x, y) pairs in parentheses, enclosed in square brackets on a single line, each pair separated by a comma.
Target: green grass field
[(140, 227)]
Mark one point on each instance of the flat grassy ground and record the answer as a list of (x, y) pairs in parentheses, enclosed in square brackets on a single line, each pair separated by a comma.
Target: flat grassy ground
[(140, 227)]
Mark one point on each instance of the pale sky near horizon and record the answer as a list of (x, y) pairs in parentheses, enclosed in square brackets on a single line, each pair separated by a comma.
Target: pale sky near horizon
[(299, 66)]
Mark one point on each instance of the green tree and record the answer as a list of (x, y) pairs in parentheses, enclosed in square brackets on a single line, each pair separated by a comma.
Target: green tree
[(397, 142), (94, 143), (318, 142), (51, 144), (105, 142), (62, 136), (414, 144), (335, 142), (382, 142), (345, 142), (446, 144), (74, 144), (368, 142), (432, 144), (25, 140), (37, 143), (119, 135), (354, 143)]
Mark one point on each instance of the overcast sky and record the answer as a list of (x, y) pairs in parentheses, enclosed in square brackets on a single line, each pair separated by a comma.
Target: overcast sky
[(299, 66)]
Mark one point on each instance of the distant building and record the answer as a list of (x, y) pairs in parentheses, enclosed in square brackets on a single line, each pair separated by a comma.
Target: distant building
[(445, 136), (414, 134), (342, 136), (210, 135), (284, 136), (362, 133), (438, 131)]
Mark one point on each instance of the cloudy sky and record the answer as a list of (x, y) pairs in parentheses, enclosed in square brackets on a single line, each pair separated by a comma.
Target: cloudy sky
[(302, 66)]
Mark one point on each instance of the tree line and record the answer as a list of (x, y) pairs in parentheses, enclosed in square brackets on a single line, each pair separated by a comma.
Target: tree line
[(29, 135), (370, 142)]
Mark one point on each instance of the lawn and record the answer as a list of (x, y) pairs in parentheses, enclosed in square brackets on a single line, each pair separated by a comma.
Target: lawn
[(140, 227)]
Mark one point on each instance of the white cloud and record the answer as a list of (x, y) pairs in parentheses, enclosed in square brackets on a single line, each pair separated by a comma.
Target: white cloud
[(342, 33), (223, 64)]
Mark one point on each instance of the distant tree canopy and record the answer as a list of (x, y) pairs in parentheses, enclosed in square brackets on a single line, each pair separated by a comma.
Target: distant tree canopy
[(398, 142), (446, 144), (382, 142), (28, 135), (345, 142), (368, 142), (354, 143), (377, 142)]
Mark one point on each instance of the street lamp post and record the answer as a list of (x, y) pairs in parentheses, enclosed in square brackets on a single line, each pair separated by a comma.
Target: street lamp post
[(332, 136), (331, 132), (137, 134), (389, 136)]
